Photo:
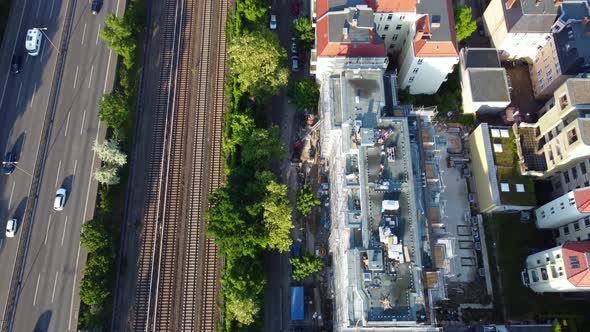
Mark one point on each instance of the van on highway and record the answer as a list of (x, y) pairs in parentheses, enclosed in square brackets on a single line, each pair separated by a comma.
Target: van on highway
[(33, 42)]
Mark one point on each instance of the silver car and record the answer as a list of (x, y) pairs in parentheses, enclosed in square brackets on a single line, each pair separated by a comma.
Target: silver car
[(60, 199), (11, 228)]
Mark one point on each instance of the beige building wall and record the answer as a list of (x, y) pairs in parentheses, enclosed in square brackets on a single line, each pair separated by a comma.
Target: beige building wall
[(545, 71), (482, 170), (495, 24)]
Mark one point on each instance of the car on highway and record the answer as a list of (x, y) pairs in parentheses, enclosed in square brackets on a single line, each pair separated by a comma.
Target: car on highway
[(33, 41), (11, 228), (295, 63), (9, 163), (96, 6), (60, 199), (16, 64), (273, 22), (293, 47)]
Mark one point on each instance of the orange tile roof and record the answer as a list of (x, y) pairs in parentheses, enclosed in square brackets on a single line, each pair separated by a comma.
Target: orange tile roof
[(395, 6), (582, 197), (424, 47), (580, 276), (350, 49)]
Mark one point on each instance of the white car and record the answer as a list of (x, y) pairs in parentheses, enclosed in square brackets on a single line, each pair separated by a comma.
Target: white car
[(60, 199), (11, 228), (33, 41), (295, 63), (273, 22)]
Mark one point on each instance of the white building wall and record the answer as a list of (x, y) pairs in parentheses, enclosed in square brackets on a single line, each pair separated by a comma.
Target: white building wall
[(558, 212), (394, 28), (424, 75), (546, 271), (578, 230)]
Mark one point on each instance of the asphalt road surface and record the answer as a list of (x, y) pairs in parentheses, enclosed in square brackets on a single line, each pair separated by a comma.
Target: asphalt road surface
[(48, 297)]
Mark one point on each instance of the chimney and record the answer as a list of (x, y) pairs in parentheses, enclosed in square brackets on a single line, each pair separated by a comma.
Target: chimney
[(510, 3)]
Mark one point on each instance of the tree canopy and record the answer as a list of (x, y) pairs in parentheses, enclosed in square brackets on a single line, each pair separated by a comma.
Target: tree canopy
[(113, 109), (304, 34), (95, 236), (277, 217), (305, 266), (304, 94), (258, 62), (306, 200), (464, 23), (261, 147)]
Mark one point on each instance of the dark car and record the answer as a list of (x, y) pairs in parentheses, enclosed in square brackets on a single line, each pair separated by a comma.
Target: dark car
[(95, 7), (16, 64), (9, 163)]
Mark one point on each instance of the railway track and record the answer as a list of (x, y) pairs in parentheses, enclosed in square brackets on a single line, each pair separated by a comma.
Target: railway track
[(178, 268)]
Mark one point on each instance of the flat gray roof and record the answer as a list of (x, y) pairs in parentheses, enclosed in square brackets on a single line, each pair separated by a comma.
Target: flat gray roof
[(488, 85), (528, 16), (481, 58), (438, 12)]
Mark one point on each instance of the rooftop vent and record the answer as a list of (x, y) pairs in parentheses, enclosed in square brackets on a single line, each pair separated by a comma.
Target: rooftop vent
[(345, 32), (435, 22)]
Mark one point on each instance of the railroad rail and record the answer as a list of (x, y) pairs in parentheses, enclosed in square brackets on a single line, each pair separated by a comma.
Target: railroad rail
[(178, 268)]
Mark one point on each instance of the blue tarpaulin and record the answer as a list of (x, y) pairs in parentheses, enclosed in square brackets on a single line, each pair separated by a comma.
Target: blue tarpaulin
[(297, 303)]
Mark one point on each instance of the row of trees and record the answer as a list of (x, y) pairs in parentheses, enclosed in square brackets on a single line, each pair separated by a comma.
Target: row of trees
[(99, 235)]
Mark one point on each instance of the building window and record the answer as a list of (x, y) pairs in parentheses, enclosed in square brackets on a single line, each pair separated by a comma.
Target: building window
[(583, 167), (587, 183), (549, 72), (549, 78), (563, 101), (402, 17), (587, 222), (394, 37), (411, 79), (386, 27), (576, 226), (556, 232), (420, 61), (579, 238), (558, 256), (383, 37), (415, 71), (574, 173), (566, 229), (398, 27), (566, 177), (539, 72), (534, 276), (588, 236), (574, 262), (389, 17), (572, 136)]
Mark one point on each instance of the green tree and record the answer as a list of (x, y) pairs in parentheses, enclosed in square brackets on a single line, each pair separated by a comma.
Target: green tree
[(304, 34), (240, 127), (258, 62), (304, 94), (261, 147), (120, 38), (306, 200), (110, 153), (556, 326), (305, 266), (94, 287), (113, 109), (464, 23), (277, 217), (107, 175), (255, 11), (244, 310), (244, 284), (95, 236)]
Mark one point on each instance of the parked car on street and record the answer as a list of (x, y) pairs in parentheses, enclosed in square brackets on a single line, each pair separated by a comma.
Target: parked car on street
[(273, 22), (294, 63)]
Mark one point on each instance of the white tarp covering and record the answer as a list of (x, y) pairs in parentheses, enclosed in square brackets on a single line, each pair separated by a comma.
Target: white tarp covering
[(390, 205)]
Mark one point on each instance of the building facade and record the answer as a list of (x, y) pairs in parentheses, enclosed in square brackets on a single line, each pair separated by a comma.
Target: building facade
[(564, 268), (519, 28)]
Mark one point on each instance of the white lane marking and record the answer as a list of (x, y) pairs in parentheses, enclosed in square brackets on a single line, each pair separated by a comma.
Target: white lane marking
[(106, 76), (11, 193), (18, 94), (38, 8), (117, 10), (47, 232), (75, 166), (42, 51), (36, 289), (51, 11), (57, 176), (63, 235), (90, 79), (54, 286), (74, 288), (67, 124), (83, 33), (22, 14), (83, 119), (97, 34), (76, 77), (34, 93)]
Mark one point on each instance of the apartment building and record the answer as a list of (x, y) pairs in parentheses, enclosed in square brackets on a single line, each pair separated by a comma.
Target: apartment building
[(430, 52), (558, 144), (499, 185), (520, 28), (345, 39), (567, 52), (484, 83), (564, 268), (568, 216), (394, 20)]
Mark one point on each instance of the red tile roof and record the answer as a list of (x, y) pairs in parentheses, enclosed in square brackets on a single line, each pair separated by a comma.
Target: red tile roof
[(577, 251), (350, 49), (424, 47), (395, 6), (582, 197)]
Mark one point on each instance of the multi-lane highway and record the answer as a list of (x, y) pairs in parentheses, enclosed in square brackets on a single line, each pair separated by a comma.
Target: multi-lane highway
[(47, 297)]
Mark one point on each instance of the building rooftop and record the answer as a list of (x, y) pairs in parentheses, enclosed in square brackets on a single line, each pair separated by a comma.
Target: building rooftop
[(577, 262), (324, 6), (349, 32), (573, 42), (530, 15), (489, 85), (582, 197), (481, 58), (395, 6), (578, 90), (435, 32)]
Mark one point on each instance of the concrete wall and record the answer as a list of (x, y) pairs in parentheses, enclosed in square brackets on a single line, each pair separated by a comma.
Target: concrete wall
[(558, 212), (481, 168)]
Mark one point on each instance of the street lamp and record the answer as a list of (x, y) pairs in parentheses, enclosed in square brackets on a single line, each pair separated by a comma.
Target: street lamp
[(49, 39)]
